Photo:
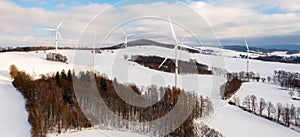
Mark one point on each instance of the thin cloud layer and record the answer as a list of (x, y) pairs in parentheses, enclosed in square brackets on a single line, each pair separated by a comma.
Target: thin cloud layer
[(252, 19)]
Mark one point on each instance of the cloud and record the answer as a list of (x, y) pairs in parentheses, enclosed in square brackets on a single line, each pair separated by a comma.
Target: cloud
[(60, 6), (229, 20), (241, 19)]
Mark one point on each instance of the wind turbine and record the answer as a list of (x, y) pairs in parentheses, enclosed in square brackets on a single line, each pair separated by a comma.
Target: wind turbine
[(57, 34), (94, 53), (176, 50), (247, 58), (126, 37)]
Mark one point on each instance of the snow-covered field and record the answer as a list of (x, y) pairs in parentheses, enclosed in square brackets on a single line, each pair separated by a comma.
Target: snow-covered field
[(269, 92), (13, 115), (12, 105), (231, 121), (99, 133)]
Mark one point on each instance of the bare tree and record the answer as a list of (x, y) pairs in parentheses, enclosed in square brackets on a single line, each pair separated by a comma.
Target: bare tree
[(269, 79), (293, 113), (279, 111), (297, 115), (270, 109), (262, 105), (286, 115), (263, 79), (291, 93), (236, 100), (253, 99), (246, 102)]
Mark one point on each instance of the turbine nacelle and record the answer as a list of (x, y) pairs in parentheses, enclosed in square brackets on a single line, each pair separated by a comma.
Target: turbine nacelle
[(57, 34), (126, 37)]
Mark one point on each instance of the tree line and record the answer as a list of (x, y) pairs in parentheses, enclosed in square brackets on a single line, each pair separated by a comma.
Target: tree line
[(230, 87), (185, 67), (50, 102), (285, 114), (53, 106), (287, 80)]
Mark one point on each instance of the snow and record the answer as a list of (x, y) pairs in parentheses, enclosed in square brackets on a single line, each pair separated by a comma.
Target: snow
[(227, 119), (231, 121), (265, 69), (13, 116), (98, 133), (245, 124), (269, 92)]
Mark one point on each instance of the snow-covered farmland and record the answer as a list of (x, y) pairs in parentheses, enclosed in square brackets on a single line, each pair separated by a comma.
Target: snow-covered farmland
[(13, 115), (232, 121), (98, 133), (269, 92)]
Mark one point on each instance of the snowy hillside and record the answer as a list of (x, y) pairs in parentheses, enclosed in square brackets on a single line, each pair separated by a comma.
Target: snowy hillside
[(13, 116), (269, 92), (227, 119), (231, 121), (98, 133)]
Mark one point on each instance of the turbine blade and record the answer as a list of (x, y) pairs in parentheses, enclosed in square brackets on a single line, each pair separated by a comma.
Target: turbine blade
[(247, 45), (130, 35), (50, 29), (173, 32), (58, 33), (181, 42), (60, 24), (123, 32), (167, 57)]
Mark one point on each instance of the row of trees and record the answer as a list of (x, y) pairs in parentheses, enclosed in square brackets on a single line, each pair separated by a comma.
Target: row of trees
[(53, 106), (230, 87), (185, 67), (287, 80), (284, 114)]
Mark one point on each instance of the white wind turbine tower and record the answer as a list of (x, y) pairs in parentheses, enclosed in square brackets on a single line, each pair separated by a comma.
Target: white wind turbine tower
[(247, 59), (126, 38), (176, 50), (94, 53), (57, 34)]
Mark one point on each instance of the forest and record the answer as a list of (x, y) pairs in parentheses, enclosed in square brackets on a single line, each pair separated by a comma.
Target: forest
[(185, 67), (64, 101), (287, 80)]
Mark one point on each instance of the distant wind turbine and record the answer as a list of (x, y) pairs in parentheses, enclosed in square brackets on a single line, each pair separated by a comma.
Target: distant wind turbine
[(247, 58), (57, 34), (126, 38), (176, 50), (94, 53)]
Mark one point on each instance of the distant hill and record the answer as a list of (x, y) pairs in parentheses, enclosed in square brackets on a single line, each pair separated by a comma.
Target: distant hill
[(146, 42), (140, 42), (265, 49), (281, 47)]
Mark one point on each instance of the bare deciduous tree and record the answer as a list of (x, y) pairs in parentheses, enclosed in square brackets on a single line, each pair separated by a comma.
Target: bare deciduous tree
[(262, 105)]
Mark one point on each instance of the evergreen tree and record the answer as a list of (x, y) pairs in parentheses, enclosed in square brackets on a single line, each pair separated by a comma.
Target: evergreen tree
[(103, 85), (57, 78), (64, 75), (69, 76)]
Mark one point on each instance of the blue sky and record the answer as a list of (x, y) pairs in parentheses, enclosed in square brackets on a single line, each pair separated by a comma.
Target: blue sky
[(263, 22), (54, 5)]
